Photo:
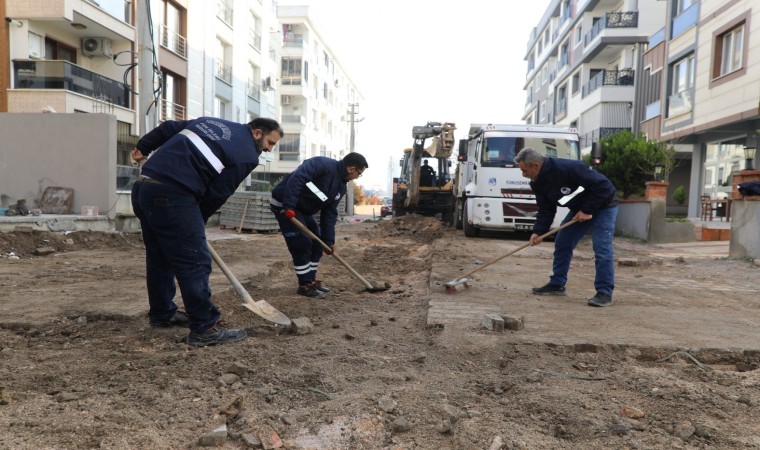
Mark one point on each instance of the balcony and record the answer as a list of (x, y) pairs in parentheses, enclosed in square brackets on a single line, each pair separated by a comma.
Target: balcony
[(684, 21), (652, 110), (609, 78), (223, 71), (294, 119), (119, 9), (69, 77), (680, 103), (171, 111), (173, 41), (254, 39), (224, 11), (628, 19), (599, 133), (253, 90), (293, 42), (111, 18)]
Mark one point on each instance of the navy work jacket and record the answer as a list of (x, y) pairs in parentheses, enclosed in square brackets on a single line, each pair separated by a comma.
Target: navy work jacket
[(556, 183), (208, 156), (315, 186)]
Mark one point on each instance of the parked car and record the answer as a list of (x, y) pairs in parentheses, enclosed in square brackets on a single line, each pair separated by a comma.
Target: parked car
[(387, 208)]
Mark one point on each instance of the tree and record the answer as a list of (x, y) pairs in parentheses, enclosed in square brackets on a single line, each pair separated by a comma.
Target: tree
[(358, 195), (629, 161)]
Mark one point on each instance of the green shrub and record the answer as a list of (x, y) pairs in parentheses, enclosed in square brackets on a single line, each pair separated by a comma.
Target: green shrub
[(679, 195)]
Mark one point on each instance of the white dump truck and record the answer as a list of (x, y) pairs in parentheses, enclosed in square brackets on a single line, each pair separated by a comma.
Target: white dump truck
[(490, 191)]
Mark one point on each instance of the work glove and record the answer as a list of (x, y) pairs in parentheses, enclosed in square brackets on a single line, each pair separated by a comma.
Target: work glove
[(288, 213), (330, 252)]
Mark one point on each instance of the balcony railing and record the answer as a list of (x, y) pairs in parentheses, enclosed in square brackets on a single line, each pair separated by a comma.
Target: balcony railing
[(301, 120), (291, 80), (609, 78), (173, 41), (657, 38), (223, 71), (224, 11), (292, 42), (254, 39), (686, 19), (628, 19), (599, 133), (652, 110), (120, 9), (70, 77), (171, 111), (254, 91), (680, 103)]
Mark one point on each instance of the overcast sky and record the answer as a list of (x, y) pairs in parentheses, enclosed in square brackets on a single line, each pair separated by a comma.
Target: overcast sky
[(416, 61)]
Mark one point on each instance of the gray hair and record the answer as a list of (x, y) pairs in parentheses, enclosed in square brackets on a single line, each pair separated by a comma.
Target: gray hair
[(529, 156)]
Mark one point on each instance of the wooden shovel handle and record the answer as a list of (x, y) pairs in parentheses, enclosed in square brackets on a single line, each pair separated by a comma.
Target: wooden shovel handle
[(527, 244), (308, 232)]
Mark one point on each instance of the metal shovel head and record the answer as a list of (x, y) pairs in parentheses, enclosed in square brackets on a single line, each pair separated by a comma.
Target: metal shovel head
[(377, 287), (263, 309)]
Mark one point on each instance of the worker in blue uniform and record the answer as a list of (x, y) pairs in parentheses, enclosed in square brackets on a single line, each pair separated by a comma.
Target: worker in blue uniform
[(189, 169), (592, 200), (316, 186)]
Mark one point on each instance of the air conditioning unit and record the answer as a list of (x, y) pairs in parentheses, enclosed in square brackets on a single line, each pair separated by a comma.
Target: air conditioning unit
[(96, 46), (285, 100)]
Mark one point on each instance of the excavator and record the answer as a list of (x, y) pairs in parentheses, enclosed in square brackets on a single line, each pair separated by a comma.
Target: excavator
[(424, 185)]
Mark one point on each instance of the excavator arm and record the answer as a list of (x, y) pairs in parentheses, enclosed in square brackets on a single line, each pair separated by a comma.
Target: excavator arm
[(441, 147)]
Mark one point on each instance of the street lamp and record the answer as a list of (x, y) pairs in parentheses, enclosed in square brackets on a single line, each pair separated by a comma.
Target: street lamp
[(658, 171), (749, 155)]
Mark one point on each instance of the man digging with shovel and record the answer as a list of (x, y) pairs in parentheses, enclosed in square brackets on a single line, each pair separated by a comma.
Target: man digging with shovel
[(316, 186)]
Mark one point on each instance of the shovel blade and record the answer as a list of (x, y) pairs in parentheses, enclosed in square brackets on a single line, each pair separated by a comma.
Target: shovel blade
[(263, 309)]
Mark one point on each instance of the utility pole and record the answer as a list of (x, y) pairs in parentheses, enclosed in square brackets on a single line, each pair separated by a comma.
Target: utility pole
[(146, 72), (352, 118)]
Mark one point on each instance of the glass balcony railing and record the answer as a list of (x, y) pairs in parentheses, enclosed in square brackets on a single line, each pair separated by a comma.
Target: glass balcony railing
[(680, 103), (652, 110), (223, 71), (254, 39), (120, 9), (70, 77), (657, 38), (224, 11), (686, 19), (254, 91)]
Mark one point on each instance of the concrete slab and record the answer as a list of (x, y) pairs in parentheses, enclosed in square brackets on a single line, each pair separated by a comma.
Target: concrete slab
[(56, 222)]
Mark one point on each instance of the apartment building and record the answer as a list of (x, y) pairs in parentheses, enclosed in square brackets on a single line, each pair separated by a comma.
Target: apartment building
[(319, 102), (701, 90), (583, 59)]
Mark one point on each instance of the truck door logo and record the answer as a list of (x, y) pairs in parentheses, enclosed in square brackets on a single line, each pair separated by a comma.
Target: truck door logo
[(492, 181)]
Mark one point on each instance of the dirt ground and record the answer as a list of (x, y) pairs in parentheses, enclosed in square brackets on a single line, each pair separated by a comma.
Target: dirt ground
[(672, 364)]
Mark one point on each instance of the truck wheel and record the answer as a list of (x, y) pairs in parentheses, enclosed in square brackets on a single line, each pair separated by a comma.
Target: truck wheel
[(469, 230)]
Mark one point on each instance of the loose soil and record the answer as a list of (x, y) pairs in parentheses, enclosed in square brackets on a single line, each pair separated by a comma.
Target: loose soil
[(80, 368)]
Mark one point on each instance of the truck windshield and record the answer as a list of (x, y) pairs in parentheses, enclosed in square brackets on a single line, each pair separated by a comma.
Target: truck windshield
[(499, 151)]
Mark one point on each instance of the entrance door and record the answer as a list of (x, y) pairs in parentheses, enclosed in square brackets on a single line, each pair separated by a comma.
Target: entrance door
[(721, 160)]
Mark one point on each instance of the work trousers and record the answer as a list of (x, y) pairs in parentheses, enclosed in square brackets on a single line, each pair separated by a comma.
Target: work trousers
[(602, 227), (174, 234), (305, 251)]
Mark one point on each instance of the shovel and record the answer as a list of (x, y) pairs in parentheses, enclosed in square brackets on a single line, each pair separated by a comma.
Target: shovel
[(464, 281), (261, 307), (372, 287)]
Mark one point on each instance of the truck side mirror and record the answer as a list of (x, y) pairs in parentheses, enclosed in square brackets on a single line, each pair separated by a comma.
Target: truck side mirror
[(462, 150)]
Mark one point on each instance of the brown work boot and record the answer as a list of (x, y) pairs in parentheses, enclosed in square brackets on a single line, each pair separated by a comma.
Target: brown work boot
[(318, 286)]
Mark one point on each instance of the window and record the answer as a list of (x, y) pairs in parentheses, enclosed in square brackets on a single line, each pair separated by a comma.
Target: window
[(291, 71), (172, 96), (578, 34), (681, 86), (731, 49), (576, 83), (683, 5), (221, 108), (683, 75), (59, 51), (289, 147)]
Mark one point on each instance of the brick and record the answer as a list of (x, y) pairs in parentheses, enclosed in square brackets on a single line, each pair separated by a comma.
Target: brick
[(513, 323), (493, 322)]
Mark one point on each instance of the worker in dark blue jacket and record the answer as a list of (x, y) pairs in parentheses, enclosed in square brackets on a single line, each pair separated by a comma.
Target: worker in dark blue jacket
[(316, 186), (591, 199), (189, 169)]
